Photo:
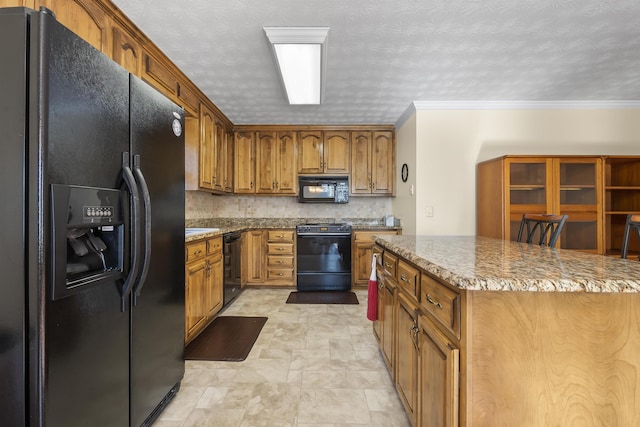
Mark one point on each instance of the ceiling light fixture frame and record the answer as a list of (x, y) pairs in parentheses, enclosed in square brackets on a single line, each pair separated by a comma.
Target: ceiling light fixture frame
[(300, 36)]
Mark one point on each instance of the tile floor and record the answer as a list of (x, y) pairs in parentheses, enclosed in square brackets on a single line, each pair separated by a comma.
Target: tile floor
[(312, 365)]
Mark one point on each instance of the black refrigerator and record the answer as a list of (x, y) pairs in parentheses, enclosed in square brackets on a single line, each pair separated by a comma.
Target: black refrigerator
[(92, 234)]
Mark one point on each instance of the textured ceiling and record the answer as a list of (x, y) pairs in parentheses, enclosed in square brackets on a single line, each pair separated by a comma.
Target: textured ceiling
[(385, 54)]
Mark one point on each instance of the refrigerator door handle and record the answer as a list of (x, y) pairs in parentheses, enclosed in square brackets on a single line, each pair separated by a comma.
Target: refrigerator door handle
[(135, 221), (146, 229)]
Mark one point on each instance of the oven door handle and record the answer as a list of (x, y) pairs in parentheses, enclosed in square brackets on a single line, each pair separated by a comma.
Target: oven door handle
[(323, 234)]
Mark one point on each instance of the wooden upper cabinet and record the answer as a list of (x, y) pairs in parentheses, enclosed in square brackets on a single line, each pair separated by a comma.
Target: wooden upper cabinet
[(207, 151), (383, 163), (127, 51), (275, 162), (266, 162), (372, 162), (361, 162), (188, 99), (310, 152), (229, 158), (160, 76), (323, 152), (336, 152), (287, 176), (219, 166), (245, 164), (83, 17)]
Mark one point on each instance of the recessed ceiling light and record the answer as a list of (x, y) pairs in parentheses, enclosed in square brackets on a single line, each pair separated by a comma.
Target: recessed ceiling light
[(300, 53)]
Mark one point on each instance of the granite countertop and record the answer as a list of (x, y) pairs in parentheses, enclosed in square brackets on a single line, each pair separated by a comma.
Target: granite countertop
[(228, 225), (481, 263)]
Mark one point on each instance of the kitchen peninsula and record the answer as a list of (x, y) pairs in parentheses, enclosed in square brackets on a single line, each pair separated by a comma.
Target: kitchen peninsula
[(487, 332)]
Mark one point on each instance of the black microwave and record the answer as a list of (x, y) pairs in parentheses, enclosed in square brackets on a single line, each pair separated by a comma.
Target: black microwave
[(323, 189)]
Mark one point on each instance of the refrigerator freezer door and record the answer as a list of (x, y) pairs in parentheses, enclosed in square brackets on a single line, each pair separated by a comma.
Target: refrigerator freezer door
[(13, 86), (157, 354), (79, 128)]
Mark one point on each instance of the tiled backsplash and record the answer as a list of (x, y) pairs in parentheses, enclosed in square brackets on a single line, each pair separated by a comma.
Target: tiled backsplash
[(204, 205)]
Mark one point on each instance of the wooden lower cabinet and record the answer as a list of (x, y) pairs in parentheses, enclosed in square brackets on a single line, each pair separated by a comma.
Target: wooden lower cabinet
[(361, 252), (281, 257), (438, 377), (407, 355), (203, 284), (387, 322), (253, 257)]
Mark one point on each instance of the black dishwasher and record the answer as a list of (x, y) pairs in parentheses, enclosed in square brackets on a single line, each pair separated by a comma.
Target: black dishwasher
[(232, 280)]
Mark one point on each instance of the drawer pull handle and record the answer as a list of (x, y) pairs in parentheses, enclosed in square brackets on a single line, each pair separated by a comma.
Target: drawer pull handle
[(404, 279), (280, 236), (280, 249), (432, 301), (386, 264), (279, 262), (198, 252), (380, 286), (280, 274)]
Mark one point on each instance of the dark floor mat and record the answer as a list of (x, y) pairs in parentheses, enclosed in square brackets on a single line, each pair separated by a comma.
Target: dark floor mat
[(329, 297), (227, 338)]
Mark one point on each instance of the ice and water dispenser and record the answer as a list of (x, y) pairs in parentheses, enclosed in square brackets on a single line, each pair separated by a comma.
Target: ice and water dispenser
[(88, 237)]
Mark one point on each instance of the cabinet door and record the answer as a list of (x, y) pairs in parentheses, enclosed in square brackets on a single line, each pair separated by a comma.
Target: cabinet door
[(207, 149), (255, 257), (196, 278), (266, 155), (188, 99), (245, 166), (407, 355), (228, 180), (438, 377), (361, 262), (127, 51), (213, 289), (83, 17), (158, 75), (310, 152), (336, 147), (387, 321), (220, 151), (382, 163), (286, 182), (361, 162), (528, 183), (578, 193)]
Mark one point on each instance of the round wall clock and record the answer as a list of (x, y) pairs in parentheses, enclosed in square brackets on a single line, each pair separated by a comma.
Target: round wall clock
[(405, 172)]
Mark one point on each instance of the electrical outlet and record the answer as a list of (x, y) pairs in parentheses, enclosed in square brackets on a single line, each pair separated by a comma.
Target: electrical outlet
[(429, 211)]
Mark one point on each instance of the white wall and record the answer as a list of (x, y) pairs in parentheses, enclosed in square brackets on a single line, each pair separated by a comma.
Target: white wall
[(449, 144), (404, 204)]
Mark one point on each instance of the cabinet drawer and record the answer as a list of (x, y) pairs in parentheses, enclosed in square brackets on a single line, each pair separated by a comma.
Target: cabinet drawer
[(214, 245), (280, 274), (280, 248), (280, 261), (280, 236), (377, 250), (196, 250), (442, 302), (390, 264), (408, 278)]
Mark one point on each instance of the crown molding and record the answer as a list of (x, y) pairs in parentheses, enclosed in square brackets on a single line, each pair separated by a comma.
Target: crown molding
[(525, 105)]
